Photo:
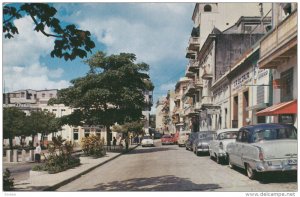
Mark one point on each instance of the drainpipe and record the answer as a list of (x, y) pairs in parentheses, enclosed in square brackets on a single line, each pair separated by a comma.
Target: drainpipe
[(270, 87)]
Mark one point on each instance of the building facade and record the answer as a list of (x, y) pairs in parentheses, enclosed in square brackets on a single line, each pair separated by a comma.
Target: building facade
[(278, 53)]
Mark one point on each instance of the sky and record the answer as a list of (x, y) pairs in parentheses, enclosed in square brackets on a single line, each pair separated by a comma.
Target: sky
[(157, 33)]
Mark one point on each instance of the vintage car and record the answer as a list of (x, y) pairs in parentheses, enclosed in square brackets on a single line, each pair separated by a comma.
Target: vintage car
[(200, 144), (147, 141), (183, 137), (167, 139), (217, 147), (264, 148)]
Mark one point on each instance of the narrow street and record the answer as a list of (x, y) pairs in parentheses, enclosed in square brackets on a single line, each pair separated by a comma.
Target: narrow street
[(171, 168)]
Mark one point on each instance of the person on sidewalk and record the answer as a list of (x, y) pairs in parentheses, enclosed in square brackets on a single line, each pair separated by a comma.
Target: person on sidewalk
[(37, 153)]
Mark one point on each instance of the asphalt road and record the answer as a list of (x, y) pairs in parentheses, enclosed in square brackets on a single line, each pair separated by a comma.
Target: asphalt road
[(170, 168)]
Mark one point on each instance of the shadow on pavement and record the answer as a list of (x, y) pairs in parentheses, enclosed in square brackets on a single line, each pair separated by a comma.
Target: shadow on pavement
[(161, 183), (150, 150), (278, 177), (271, 177)]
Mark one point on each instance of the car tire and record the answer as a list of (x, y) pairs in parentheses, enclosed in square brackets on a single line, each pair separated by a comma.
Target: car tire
[(252, 174)]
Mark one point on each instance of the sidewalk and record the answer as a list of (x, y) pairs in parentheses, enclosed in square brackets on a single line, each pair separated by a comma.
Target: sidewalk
[(42, 181)]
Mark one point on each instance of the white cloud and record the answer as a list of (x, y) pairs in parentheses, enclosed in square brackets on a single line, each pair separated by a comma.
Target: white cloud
[(153, 31), (21, 59)]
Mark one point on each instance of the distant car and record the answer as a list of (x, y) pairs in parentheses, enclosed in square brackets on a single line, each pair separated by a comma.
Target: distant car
[(147, 141), (183, 137), (176, 137), (264, 148), (157, 135), (167, 139), (217, 147), (200, 144), (190, 140)]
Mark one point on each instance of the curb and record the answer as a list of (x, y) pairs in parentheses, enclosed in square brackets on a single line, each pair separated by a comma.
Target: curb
[(62, 183)]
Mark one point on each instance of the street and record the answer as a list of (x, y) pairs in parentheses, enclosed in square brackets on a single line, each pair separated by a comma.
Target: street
[(171, 168)]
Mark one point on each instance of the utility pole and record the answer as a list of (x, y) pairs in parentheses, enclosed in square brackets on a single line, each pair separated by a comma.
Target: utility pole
[(261, 10)]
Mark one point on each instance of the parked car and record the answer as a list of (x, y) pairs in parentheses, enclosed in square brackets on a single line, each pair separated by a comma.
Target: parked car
[(175, 137), (190, 140), (200, 144), (147, 141), (157, 135), (217, 147), (183, 137), (167, 139), (263, 148)]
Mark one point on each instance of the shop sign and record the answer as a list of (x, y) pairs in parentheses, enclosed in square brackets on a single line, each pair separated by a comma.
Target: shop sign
[(239, 81)]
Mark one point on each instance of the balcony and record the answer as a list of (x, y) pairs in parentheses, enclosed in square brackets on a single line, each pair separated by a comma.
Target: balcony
[(194, 43), (207, 74), (190, 54), (190, 111), (206, 101), (190, 90), (193, 66), (280, 44), (198, 84)]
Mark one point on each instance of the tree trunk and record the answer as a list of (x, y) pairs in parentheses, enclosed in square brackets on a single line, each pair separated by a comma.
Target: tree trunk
[(10, 143), (127, 141), (108, 135), (32, 143)]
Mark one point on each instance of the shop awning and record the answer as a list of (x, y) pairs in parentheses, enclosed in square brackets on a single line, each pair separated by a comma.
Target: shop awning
[(289, 107)]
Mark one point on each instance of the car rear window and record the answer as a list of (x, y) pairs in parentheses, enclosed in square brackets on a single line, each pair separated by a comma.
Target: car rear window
[(147, 137), (275, 134), (228, 135), (167, 136)]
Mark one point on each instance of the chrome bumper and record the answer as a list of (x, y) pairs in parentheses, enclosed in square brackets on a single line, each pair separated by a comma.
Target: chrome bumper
[(275, 165)]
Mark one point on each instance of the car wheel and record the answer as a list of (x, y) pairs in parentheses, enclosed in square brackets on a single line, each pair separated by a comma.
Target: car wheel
[(186, 148), (252, 174)]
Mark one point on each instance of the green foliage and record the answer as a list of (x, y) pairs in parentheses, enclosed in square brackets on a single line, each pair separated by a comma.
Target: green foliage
[(8, 182), (111, 92), (70, 42), (13, 123), (93, 146), (60, 157)]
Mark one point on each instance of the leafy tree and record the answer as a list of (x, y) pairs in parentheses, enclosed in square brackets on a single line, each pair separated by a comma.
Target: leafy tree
[(42, 122), (111, 92), (70, 42), (13, 123)]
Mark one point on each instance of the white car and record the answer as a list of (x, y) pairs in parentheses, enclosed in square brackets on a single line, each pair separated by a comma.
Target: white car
[(218, 146), (183, 137), (147, 141)]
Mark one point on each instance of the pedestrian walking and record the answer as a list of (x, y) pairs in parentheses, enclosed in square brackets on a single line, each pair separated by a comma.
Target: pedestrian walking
[(37, 153)]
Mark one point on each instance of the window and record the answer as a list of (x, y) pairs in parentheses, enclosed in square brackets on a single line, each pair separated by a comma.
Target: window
[(43, 95), (75, 134), (22, 94), (286, 85), (51, 95), (245, 136), (239, 137), (207, 8), (54, 110), (275, 134)]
